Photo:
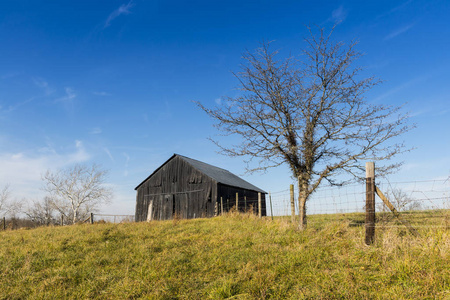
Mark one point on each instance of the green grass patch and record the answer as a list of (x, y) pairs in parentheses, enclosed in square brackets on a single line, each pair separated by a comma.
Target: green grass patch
[(237, 256)]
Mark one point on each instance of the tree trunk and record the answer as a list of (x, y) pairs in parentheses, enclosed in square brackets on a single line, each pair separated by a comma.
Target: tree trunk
[(302, 206), (302, 197), (75, 216)]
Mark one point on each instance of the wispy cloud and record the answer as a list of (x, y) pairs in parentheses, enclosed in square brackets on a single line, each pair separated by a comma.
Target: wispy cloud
[(68, 100), (101, 94), (402, 86), (96, 130), (339, 15), (15, 106), (38, 82), (43, 85), (9, 75), (124, 9), (378, 64), (24, 169), (395, 9), (109, 154), (398, 31), (69, 97), (48, 149), (127, 160), (80, 155), (443, 111)]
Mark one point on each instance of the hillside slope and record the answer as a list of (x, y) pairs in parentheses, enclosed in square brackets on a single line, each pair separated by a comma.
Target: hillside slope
[(236, 256)]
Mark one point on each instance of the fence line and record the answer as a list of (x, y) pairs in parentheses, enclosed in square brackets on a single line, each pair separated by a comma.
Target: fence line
[(423, 203), (327, 200), (110, 218)]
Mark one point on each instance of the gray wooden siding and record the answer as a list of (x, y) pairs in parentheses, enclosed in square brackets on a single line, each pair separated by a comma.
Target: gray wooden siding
[(176, 188)]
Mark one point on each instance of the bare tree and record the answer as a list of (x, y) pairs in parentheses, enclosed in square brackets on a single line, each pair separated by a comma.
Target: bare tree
[(75, 190), (402, 201), (4, 200), (8, 206), (309, 113), (42, 212)]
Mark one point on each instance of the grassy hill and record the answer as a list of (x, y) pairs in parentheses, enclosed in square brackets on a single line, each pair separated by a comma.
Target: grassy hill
[(233, 256)]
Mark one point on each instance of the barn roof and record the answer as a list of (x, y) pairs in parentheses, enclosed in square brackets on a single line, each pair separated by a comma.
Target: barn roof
[(218, 174)]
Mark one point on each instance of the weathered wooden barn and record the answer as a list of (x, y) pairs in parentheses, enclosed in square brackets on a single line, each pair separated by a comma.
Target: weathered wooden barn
[(189, 188)]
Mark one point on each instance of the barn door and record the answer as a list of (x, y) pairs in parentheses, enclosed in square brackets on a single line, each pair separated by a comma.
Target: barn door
[(150, 210)]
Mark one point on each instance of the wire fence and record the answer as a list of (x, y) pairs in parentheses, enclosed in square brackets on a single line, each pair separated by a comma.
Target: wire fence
[(326, 200), (423, 203), (108, 218)]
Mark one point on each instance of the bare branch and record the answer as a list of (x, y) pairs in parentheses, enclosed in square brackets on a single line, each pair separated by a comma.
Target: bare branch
[(310, 113), (72, 190), (4, 199)]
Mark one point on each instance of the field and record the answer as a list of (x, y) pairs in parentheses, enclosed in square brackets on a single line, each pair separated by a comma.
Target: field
[(236, 256)]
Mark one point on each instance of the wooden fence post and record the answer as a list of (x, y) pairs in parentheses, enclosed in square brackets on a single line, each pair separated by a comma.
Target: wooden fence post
[(92, 218), (62, 220), (237, 201), (4, 223), (292, 203), (216, 209), (370, 203), (245, 203), (221, 205), (259, 205)]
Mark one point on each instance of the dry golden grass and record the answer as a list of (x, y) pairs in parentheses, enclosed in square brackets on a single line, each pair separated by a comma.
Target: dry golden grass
[(236, 256)]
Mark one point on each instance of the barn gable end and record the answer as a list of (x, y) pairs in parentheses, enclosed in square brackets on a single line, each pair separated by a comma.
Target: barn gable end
[(188, 189)]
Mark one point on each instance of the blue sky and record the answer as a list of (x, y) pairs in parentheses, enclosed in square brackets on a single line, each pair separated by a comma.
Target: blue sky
[(112, 82)]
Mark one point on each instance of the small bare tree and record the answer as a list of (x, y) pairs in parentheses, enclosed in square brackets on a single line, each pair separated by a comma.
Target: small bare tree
[(7, 205), (42, 212), (4, 200), (310, 114), (74, 190), (402, 201)]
